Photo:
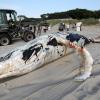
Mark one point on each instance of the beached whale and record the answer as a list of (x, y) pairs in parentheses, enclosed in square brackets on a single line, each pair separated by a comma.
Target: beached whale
[(34, 54)]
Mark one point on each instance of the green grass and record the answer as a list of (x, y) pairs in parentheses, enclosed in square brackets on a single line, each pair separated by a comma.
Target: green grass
[(53, 22), (90, 21)]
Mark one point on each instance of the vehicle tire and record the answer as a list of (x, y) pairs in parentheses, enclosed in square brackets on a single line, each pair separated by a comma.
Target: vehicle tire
[(28, 36), (5, 40)]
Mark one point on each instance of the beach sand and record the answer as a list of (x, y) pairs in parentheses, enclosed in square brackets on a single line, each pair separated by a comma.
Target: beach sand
[(55, 80)]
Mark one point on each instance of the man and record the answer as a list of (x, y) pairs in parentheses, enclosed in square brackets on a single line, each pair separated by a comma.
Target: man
[(78, 26), (67, 27), (78, 42)]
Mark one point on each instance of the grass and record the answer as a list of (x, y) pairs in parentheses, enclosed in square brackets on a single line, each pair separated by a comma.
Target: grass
[(89, 21)]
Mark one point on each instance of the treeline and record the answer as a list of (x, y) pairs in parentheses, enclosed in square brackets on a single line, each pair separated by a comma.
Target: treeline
[(74, 14)]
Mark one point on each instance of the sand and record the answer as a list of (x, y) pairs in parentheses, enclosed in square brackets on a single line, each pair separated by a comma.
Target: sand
[(55, 81)]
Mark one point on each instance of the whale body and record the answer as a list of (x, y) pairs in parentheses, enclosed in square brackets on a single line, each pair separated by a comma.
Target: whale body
[(33, 55)]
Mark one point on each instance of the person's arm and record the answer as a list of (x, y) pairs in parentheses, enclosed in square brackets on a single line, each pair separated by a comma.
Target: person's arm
[(63, 41), (75, 46)]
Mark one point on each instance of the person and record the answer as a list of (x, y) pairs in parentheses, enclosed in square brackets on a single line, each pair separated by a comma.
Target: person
[(79, 26), (49, 27), (67, 27), (45, 28), (39, 28), (64, 26), (74, 26), (78, 42), (61, 27)]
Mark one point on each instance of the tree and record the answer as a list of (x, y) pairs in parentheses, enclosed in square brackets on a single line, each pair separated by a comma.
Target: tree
[(75, 14)]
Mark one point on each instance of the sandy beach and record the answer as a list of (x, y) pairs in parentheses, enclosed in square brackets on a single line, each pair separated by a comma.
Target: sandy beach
[(55, 80)]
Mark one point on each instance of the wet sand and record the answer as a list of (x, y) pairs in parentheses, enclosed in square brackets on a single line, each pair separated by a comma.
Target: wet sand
[(55, 81)]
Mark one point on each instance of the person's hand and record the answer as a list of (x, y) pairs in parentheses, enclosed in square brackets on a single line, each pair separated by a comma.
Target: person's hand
[(72, 45), (75, 46)]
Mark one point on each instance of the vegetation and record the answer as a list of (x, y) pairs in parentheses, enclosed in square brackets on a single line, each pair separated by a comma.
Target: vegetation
[(88, 17), (57, 21), (74, 14), (89, 21)]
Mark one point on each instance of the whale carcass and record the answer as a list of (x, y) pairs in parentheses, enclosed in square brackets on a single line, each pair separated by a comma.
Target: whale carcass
[(33, 55)]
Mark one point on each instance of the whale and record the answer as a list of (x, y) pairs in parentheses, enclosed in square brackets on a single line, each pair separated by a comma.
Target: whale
[(33, 55)]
